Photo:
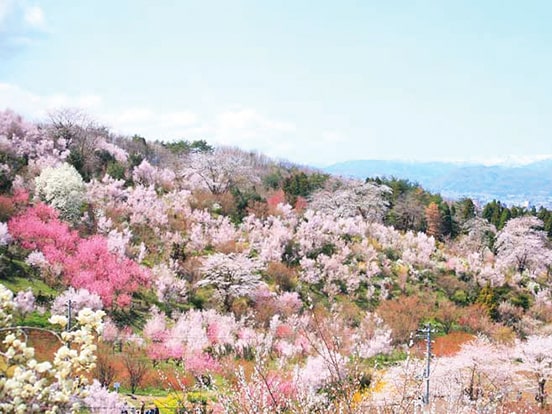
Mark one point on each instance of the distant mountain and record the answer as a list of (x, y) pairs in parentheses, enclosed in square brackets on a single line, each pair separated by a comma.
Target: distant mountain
[(512, 184)]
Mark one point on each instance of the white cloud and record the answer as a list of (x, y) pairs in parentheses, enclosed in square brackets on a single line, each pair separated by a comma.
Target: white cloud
[(149, 123), (34, 16), (21, 24), (248, 119), (6, 7), (37, 106), (245, 128)]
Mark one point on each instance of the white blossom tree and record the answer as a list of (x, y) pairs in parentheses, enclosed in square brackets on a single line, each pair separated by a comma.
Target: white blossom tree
[(63, 188), (222, 169), (232, 275), (523, 244), (352, 198), (536, 358)]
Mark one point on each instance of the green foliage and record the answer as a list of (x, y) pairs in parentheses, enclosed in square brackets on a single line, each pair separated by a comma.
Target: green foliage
[(26, 280), (273, 180), (116, 170), (291, 255), (521, 299), (327, 249), (300, 184), (489, 300), (15, 164), (76, 159), (498, 213), (449, 227), (546, 216), (390, 359), (460, 297), (37, 319), (199, 297), (465, 209), (242, 199), (187, 147), (398, 186)]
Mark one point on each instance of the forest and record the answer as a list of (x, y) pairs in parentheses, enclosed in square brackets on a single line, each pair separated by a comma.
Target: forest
[(203, 279)]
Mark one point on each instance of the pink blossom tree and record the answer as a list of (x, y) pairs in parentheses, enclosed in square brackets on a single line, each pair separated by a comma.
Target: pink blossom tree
[(112, 277), (84, 263)]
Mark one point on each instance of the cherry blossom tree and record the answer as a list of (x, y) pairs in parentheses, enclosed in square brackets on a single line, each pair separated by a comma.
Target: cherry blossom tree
[(536, 359), (523, 245), (80, 299), (232, 275), (351, 198), (478, 235), (24, 140), (480, 375), (24, 302), (222, 169), (102, 401), (5, 236)]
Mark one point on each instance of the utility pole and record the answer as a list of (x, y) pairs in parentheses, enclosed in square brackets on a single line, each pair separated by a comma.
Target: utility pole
[(427, 331), (69, 314)]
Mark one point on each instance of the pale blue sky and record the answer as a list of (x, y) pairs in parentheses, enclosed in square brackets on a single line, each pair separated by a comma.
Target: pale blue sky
[(309, 81)]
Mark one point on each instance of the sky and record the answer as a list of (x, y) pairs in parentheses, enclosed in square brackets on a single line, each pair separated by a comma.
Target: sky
[(312, 82)]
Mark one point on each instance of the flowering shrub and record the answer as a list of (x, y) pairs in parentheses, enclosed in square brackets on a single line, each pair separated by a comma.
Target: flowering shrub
[(29, 386), (63, 188), (84, 263)]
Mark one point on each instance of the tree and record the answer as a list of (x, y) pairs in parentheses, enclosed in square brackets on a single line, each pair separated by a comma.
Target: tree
[(26, 144), (477, 376), (523, 245), (62, 187), (105, 369), (479, 235), (82, 135), (465, 209), (232, 275), (403, 315), (110, 276), (536, 358), (449, 226), (492, 212), (136, 367), (434, 220), (221, 170), (350, 198), (301, 184), (184, 147), (408, 212), (84, 263)]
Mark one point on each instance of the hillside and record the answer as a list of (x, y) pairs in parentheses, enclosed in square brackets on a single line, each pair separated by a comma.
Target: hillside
[(215, 280), (512, 184)]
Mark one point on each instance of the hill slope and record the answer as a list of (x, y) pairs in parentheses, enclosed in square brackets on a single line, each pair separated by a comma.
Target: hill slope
[(511, 184)]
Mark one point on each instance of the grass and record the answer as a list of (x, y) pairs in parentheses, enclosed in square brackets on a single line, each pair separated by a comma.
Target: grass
[(16, 277)]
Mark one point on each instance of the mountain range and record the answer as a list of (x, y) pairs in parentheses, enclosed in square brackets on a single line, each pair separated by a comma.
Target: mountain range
[(528, 184)]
